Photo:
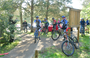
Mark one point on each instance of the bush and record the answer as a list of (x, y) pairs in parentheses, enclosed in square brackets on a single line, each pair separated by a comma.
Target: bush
[(6, 29)]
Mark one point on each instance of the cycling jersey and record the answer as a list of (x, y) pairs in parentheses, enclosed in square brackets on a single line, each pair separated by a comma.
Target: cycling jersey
[(38, 22), (54, 25), (46, 24), (64, 22), (54, 21)]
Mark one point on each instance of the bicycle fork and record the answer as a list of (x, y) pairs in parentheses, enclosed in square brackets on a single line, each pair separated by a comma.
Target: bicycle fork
[(67, 43)]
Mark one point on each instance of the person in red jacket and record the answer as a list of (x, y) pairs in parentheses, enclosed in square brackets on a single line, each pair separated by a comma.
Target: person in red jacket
[(54, 23)]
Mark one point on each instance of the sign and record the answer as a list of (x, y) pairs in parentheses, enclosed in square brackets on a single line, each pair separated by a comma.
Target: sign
[(74, 17)]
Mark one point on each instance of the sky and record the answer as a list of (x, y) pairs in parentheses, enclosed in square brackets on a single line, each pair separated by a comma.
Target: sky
[(76, 4)]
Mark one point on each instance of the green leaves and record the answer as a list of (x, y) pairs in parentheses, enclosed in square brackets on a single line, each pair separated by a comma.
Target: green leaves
[(85, 13)]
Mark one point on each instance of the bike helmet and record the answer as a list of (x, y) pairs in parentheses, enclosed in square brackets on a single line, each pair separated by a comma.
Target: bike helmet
[(82, 18), (63, 16), (53, 18), (45, 18)]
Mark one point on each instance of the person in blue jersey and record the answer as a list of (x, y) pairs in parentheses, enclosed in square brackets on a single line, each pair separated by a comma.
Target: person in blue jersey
[(65, 23), (87, 22), (82, 24), (37, 24), (64, 26)]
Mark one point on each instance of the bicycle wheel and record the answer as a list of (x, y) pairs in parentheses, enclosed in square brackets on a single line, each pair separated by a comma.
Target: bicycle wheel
[(35, 35), (76, 43), (35, 40), (67, 48), (55, 35)]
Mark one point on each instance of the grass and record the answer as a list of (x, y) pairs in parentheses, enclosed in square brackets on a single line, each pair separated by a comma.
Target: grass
[(31, 33), (8, 47), (85, 42), (44, 35), (54, 52)]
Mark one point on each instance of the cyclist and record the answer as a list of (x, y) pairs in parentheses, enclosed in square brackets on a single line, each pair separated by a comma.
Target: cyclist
[(54, 24), (46, 24), (38, 25), (65, 23)]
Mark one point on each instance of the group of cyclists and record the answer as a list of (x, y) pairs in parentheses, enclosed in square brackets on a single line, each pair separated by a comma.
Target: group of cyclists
[(54, 23), (69, 42)]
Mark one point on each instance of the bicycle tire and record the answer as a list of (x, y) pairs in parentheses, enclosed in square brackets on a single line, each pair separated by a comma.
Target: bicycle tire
[(35, 40), (76, 43), (35, 35), (53, 35), (62, 47)]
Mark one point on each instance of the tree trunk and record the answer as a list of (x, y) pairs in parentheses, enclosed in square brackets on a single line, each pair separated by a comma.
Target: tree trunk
[(32, 15), (21, 16), (47, 9), (0, 31)]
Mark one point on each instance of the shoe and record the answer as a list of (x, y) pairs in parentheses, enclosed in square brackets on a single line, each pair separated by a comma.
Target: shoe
[(34, 41), (39, 38), (64, 39)]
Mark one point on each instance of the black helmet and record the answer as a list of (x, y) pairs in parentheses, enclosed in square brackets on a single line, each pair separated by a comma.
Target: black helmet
[(53, 18)]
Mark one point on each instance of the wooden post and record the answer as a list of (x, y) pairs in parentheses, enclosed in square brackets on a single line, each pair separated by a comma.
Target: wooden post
[(78, 34), (69, 32), (74, 19), (69, 21), (36, 54)]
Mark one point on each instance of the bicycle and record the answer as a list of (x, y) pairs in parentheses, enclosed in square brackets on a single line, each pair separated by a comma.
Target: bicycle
[(56, 33), (43, 28), (36, 34), (70, 43)]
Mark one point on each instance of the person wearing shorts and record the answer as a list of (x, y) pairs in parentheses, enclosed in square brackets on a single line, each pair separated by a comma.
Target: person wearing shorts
[(46, 24), (54, 23), (64, 27), (37, 23)]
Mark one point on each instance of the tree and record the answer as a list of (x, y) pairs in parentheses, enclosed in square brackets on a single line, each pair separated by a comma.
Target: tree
[(7, 8), (85, 13), (32, 15), (20, 8), (47, 9)]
